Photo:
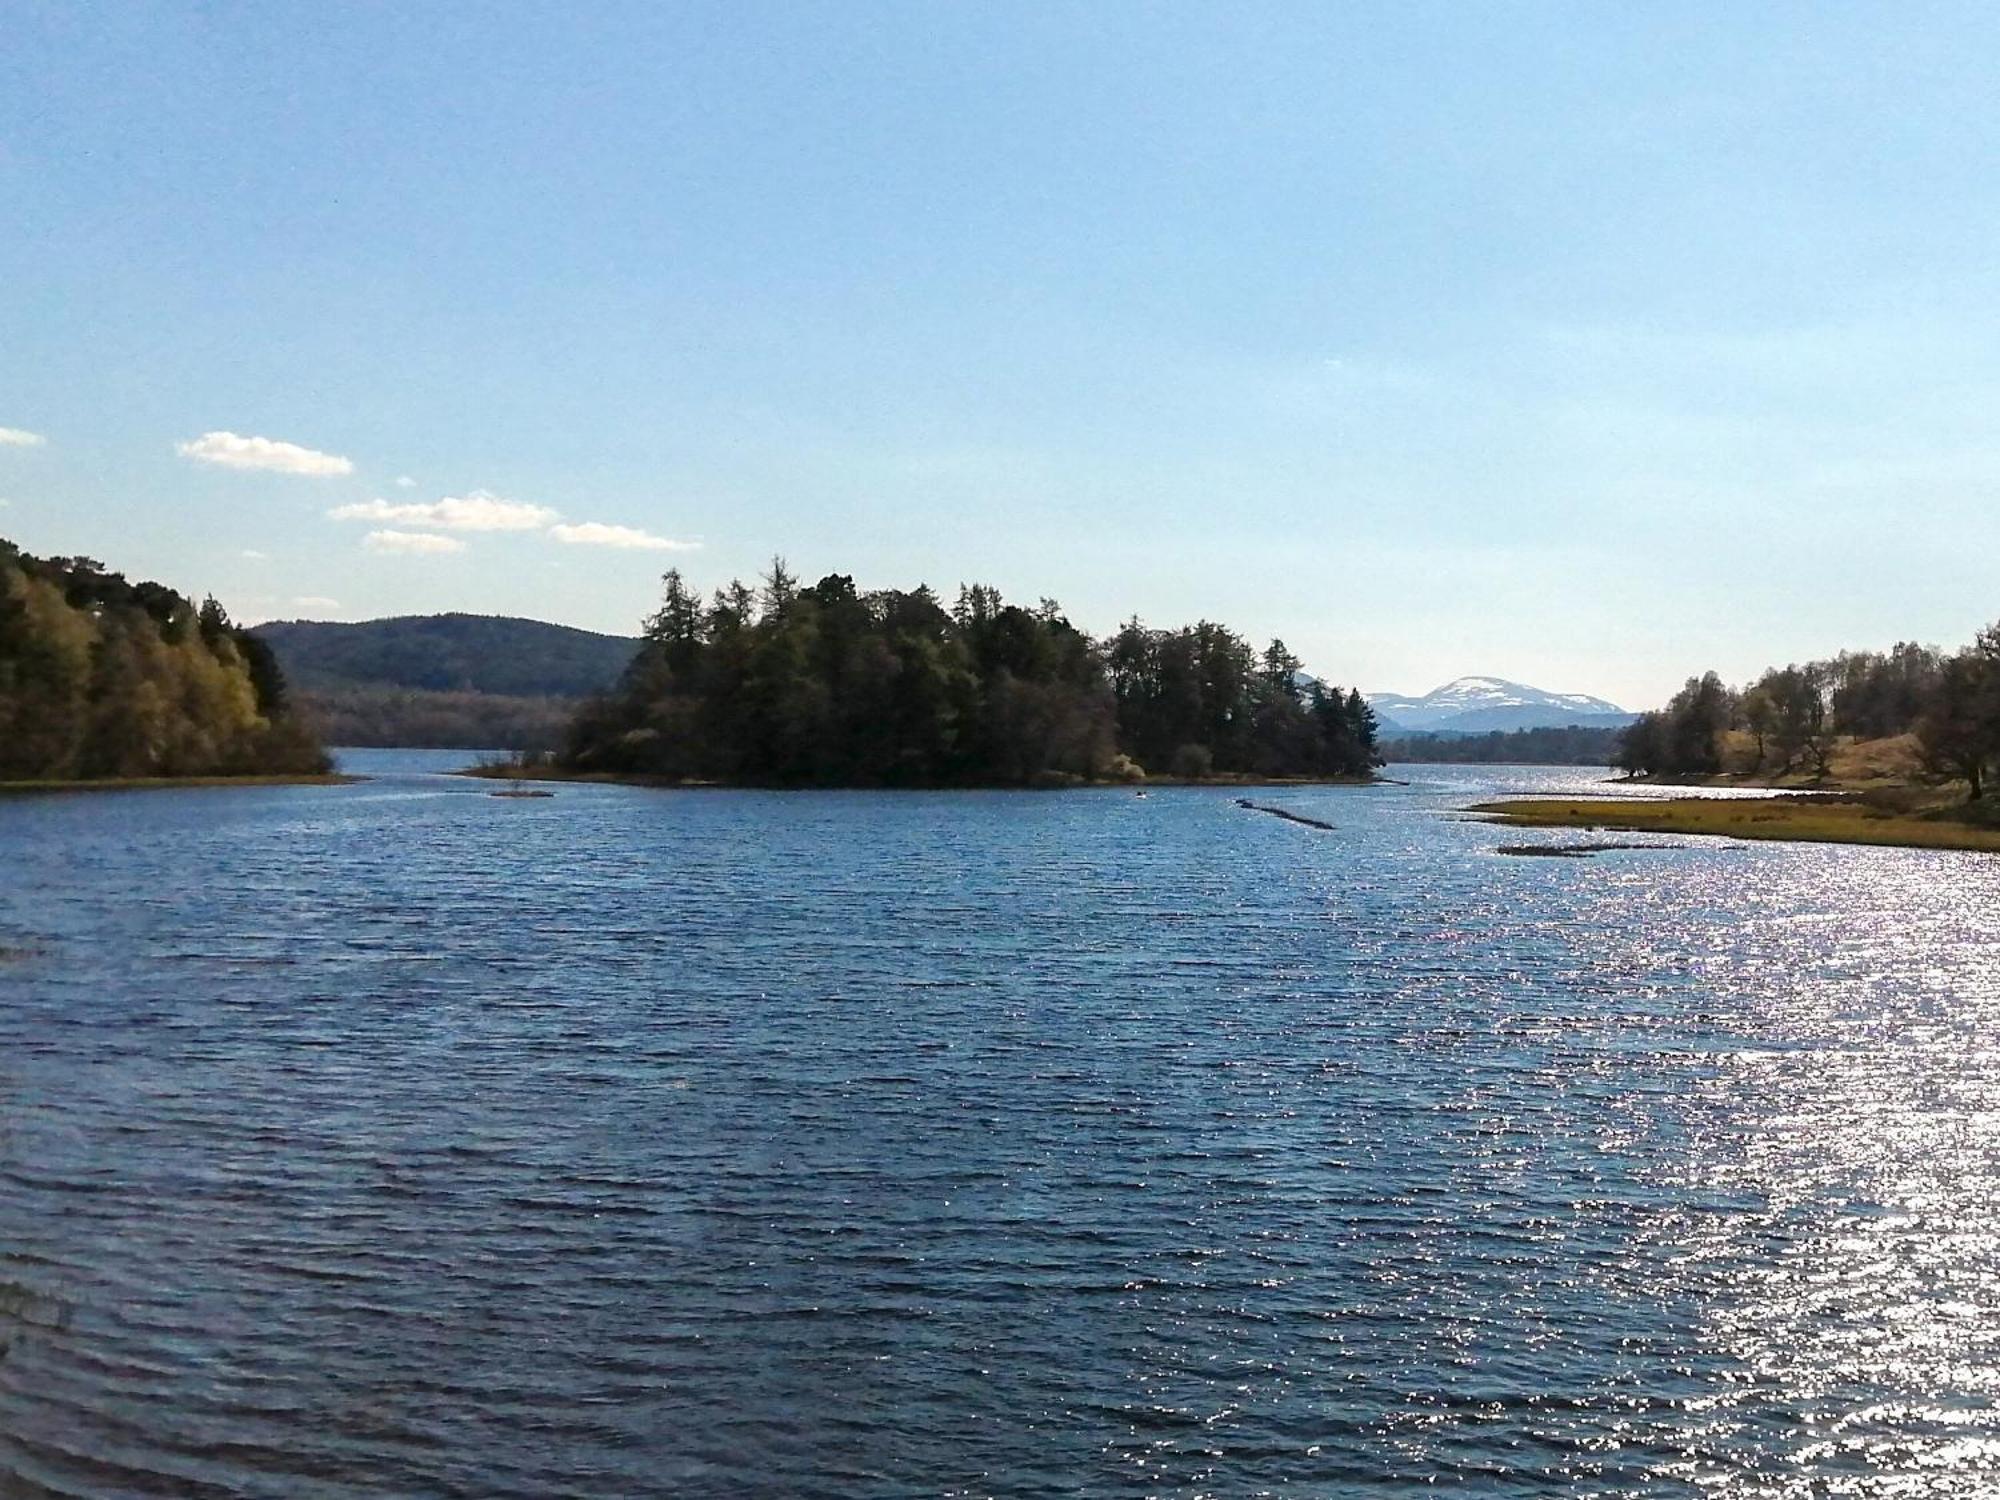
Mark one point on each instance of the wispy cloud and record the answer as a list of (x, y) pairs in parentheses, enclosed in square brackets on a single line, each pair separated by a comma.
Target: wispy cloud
[(404, 482), (597, 534), (15, 437), (415, 542), (229, 451), (478, 511), (251, 554), (315, 601)]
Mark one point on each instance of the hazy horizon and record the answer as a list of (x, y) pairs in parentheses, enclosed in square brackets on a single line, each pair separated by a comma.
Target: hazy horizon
[(1583, 348)]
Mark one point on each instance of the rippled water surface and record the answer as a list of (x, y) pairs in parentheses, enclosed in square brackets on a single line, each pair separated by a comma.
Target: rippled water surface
[(398, 1140)]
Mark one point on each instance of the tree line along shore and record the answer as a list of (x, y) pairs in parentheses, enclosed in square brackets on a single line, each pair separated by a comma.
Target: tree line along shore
[(1906, 714), (1566, 745), (789, 684), (104, 681), (1900, 745)]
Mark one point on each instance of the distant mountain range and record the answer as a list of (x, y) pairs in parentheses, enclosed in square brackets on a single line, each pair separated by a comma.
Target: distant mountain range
[(1479, 705)]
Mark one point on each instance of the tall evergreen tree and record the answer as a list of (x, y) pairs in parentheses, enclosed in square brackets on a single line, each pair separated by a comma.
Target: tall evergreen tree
[(829, 686)]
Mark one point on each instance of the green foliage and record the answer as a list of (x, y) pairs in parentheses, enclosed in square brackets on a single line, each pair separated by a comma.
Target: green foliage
[(825, 685), (1785, 710), (1695, 719), (104, 678), (1959, 728)]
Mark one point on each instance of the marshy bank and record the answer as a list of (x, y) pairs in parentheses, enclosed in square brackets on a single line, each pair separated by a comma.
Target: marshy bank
[(1901, 822)]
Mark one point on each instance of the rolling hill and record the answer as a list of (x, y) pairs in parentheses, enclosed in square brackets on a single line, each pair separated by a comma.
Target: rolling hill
[(450, 653), (455, 680)]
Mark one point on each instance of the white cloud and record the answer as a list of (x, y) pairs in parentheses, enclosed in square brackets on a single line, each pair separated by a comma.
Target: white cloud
[(251, 554), (314, 601), (404, 482), (373, 510), (14, 437), (229, 451), (597, 534), (411, 541), (477, 511)]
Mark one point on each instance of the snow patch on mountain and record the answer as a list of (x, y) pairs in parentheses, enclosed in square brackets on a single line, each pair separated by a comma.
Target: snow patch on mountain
[(1478, 704)]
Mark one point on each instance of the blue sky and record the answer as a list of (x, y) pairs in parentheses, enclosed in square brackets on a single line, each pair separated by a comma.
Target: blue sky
[(1587, 345)]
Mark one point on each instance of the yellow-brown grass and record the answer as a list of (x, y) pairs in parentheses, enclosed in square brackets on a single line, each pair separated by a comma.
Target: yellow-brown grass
[(1817, 820), (1854, 764)]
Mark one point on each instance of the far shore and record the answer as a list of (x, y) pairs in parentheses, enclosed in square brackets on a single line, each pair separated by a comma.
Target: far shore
[(1798, 791), (172, 783), (509, 772), (1820, 820)]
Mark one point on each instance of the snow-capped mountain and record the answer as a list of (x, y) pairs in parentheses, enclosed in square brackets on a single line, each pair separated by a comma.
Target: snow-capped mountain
[(1475, 705)]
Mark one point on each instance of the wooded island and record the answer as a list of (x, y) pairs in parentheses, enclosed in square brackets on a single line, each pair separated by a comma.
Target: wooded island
[(790, 685)]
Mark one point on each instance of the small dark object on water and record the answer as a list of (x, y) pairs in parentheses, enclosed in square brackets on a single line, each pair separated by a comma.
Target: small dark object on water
[(1279, 812), (522, 792), (1576, 851)]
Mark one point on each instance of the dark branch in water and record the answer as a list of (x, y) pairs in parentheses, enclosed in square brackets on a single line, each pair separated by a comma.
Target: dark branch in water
[(1576, 851), (1279, 812)]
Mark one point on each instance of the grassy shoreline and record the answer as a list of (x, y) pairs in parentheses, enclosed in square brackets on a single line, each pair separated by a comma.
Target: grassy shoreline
[(171, 783), (505, 772), (1892, 767), (1791, 781), (1817, 820)]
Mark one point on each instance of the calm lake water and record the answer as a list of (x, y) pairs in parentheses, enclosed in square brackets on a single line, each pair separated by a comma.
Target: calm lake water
[(398, 1140)]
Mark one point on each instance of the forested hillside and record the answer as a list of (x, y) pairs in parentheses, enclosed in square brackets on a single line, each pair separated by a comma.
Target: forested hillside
[(450, 654), (102, 678), (830, 686), (484, 681), (1575, 745), (1795, 718), (420, 720)]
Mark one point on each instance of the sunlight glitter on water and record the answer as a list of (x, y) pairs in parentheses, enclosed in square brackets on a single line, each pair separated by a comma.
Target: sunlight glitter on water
[(391, 1139)]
